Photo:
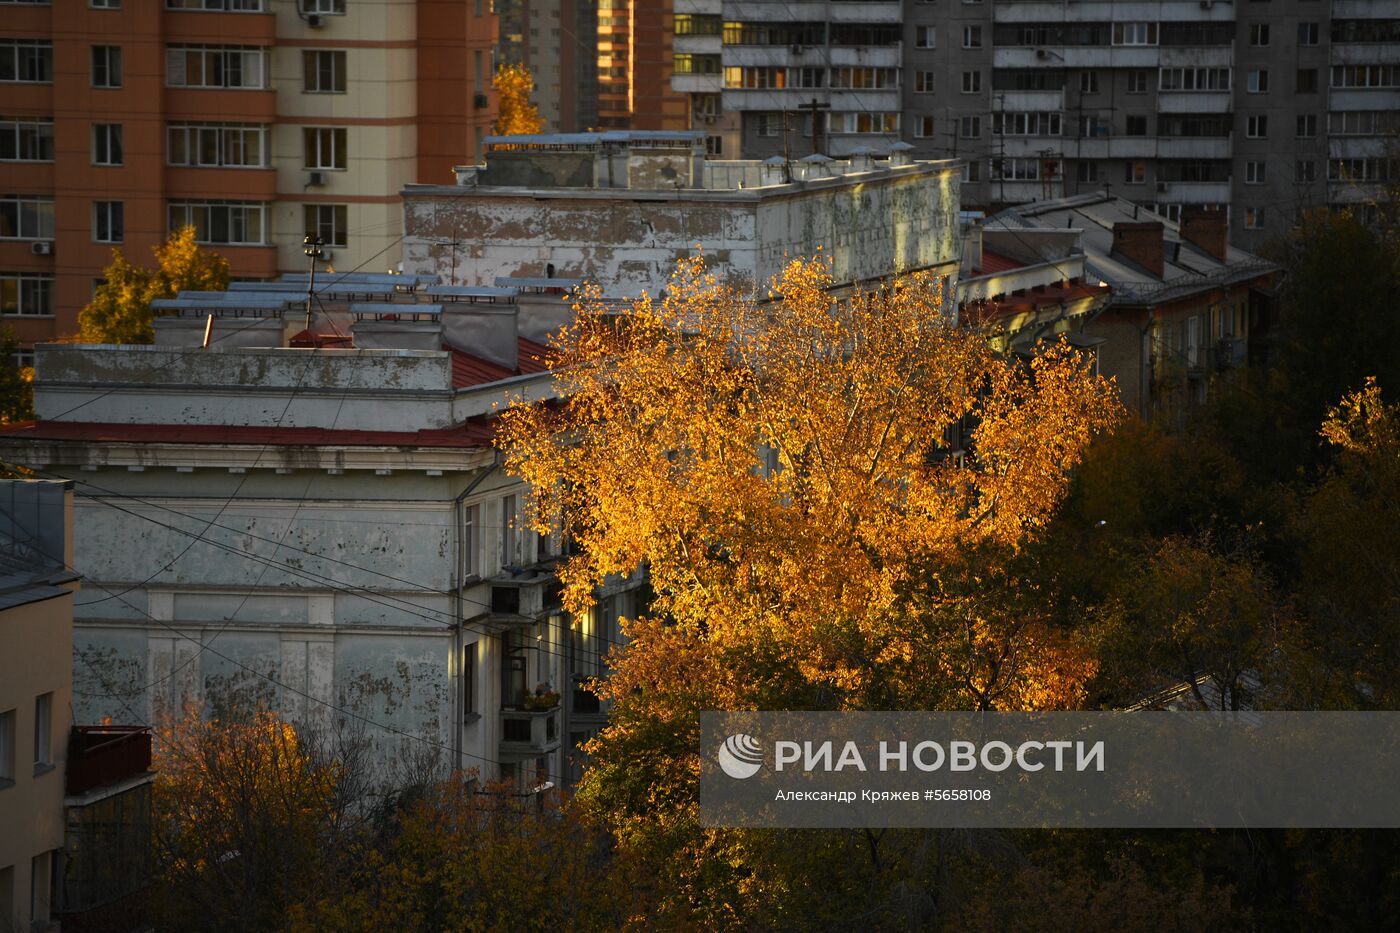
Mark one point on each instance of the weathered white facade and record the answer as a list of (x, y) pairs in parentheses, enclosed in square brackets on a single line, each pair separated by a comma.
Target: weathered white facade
[(323, 532), (620, 208)]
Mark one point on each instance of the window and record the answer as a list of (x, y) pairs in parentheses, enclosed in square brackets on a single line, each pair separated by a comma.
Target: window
[(923, 127), (1136, 125), (325, 147), (233, 223), (1307, 125), (26, 140), (1087, 172), (231, 66), (1257, 127), (1254, 218), (1026, 124), (1088, 82), (697, 24), (325, 72), (1134, 33), (1193, 79), (1363, 122), (1366, 75), (925, 37), (1307, 81), (328, 221), (1254, 173), (105, 4), (1026, 169), (1092, 126), (714, 145), (43, 729), (107, 221), (471, 541), (970, 127), (26, 60), (972, 82), (1307, 34), (859, 77), (864, 122), (233, 6), (684, 63), (7, 751), (1137, 82), (1305, 170), (1135, 173), (508, 535), (106, 66), (469, 713), (26, 293), (972, 170), (1258, 82), (1259, 34), (106, 144), (240, 145), (923, 82), (330, 7), (972, 37), (26, 218), (768, 124)]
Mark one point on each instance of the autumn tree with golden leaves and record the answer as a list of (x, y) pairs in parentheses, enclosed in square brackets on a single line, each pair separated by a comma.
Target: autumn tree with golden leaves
[(120, 310), (782, 470), (516, 116)]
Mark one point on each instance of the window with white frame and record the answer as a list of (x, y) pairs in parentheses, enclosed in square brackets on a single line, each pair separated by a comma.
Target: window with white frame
[(1254, 218), (26, 139), (328, 221), (1258, 81), (27, 61), (471, 541), (106, 144), (861, 78), (509, 539), (108, 221), (972, 82), (923, 127), (1087, 172), (1259, 34), (1134, 33), (25, 217), (105, 4), (106, 66), (970, 128), (1026, 124), (1134, 172), (1024, 169), (26, 294), (324, 147), (1307, 34), (230, 223), (864, 122), (1193, 79), (226, 66), (923, 82), (1088, 82), (207, 145), (1257, 127), (324, 7), (1306, 125), (972, 168), (231, 6), (972, 37), (1254, 173), (925, 37), (1305, 170), (323, 71), (769, 124)]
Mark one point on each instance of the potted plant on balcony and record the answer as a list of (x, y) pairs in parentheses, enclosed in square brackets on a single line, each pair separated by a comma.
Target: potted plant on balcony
[(542, 699)]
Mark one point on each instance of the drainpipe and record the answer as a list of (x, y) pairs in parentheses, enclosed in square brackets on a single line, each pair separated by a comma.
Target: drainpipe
[(458, 578)]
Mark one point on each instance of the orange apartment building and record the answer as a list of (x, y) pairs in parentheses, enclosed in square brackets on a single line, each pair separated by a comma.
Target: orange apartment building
[(257, 121)]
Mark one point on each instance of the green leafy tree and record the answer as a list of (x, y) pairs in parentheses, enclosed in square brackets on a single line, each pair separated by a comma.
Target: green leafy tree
[(120, 311)]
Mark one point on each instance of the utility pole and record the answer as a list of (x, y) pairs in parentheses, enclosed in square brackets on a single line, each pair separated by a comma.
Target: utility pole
[(311, 246), (816, 108)]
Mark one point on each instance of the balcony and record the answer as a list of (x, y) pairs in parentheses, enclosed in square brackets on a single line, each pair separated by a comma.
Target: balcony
[(529, 733), (511, 600), (99, 756)]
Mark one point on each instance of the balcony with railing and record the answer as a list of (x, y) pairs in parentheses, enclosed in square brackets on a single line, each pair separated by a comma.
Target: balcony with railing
[(102, 756), (529, 732)]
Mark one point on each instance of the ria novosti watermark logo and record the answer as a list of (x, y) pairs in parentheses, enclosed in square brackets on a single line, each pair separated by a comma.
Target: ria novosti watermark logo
[(740, 756)]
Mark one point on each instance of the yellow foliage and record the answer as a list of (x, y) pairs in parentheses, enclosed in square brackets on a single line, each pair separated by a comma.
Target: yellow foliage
[(516, 115), (120, 310)]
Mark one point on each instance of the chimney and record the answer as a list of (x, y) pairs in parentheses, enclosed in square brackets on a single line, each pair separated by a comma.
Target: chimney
[(1140, 243), (1205, 230)]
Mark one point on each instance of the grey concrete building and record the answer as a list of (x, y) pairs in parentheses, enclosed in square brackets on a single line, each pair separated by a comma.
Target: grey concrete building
[(1262, 108)]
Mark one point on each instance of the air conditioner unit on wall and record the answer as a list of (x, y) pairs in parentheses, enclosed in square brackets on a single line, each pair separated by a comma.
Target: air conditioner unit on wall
[(313, 20), (41, 247), (315, 179)]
